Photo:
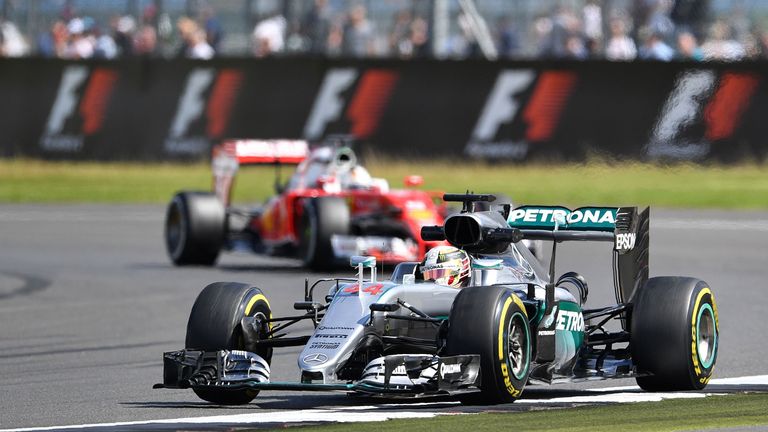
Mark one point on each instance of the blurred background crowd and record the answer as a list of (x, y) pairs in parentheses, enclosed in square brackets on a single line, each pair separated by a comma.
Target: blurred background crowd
[(619, 30)]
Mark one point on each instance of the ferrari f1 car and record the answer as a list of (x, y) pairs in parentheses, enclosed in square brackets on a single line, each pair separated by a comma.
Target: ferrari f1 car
[(514, 324), (329, 210)]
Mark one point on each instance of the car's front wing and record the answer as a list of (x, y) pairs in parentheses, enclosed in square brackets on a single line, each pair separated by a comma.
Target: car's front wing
[(394, 375)]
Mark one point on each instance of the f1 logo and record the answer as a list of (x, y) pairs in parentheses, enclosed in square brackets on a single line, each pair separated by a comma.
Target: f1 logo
[(92, 103), (206, 91), (502, 106), (695, 93), (540, 112), (365, 108), (191, 102), (66, 99)]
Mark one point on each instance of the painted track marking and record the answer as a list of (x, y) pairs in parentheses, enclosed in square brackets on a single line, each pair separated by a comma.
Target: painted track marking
[(367, 413)]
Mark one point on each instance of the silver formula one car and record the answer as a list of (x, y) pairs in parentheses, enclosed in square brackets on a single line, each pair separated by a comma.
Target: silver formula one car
[(514, 324)]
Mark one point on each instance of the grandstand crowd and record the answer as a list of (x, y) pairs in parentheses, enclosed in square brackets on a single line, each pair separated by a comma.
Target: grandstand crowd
[(588, 29)]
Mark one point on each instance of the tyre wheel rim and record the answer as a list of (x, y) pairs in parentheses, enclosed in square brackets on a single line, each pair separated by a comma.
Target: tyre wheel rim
[(706, 336), (517, 345)]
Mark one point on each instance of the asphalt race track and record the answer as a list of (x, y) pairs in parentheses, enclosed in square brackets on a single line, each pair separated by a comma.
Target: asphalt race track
[(89, 301)]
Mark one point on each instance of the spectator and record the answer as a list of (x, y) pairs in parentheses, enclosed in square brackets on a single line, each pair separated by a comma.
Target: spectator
[(104, 46), (655, 48), (719, 46), (214, 32), (316, 27), (509, 40), (335, 41), (575, 48), (400, 37), (358, 33), (592, 16), (620, 46), (688, 47), (122, 30), (420, 38), (187, 28), (659, 21), (565, 26), (13, 43), (81, 45), (762, 43), (199, 48), (53, 42), (145, 42), (269, 36)]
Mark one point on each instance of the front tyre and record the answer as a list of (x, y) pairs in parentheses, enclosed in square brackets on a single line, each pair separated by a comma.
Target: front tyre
[(214, 324), (194, 228), (492, 322), (674, 334)]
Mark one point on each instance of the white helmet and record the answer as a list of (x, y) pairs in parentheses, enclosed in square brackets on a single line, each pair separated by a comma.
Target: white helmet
[(446, 265)]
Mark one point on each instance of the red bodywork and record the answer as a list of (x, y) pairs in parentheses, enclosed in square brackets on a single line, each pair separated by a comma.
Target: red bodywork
[(277, 224)]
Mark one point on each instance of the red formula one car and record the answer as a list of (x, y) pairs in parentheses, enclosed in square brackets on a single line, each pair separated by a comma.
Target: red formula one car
[(329, 210)]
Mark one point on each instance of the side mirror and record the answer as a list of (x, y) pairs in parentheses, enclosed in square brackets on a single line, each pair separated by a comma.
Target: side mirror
[(413, 181)]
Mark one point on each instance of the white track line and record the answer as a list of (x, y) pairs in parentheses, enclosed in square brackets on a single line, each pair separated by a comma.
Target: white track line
[(365, 413)]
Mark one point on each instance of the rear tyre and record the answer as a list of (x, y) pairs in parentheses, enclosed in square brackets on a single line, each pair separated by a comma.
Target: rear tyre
[(214, 324), (321, 219), (674, 334), (194, 228), (492, 322)]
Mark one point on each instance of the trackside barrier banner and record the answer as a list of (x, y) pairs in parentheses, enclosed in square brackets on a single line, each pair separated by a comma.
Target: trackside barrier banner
[(154, 109)]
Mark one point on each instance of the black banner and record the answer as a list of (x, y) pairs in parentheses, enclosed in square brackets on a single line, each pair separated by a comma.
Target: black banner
[(174, 110)]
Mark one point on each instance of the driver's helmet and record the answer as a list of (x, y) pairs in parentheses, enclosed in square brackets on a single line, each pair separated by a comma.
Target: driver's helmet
[(446, 265)]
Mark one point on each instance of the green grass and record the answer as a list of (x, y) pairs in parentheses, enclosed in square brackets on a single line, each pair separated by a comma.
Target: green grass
[(685, 186), (668, 415)]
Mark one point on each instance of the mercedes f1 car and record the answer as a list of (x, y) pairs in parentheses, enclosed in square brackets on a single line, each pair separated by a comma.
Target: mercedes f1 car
[(329, 210), (514, 324)]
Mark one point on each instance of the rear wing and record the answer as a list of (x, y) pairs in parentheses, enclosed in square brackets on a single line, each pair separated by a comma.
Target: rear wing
[(627, 228), (228, 156)]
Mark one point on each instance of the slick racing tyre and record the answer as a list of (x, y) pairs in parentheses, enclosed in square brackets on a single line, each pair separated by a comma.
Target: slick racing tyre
[(674, 334), (194, 228), (321, 219), (492, 322), (214, 324)]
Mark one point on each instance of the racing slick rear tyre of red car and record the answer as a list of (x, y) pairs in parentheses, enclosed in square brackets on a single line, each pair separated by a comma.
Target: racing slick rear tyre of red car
[(674, 334), (194, 228), (492, 322), (214, 324), (323, 217)]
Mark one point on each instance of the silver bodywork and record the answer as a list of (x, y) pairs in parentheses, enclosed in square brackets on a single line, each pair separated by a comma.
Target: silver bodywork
[(342, 328)]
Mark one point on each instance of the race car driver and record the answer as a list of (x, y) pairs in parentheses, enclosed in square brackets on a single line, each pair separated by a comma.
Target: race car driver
[(446, 265)]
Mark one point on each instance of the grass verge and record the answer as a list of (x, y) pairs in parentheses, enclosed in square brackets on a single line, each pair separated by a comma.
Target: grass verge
[(684, 186), (667, 415)]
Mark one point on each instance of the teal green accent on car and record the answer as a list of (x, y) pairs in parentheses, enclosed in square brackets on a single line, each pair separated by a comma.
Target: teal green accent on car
[(580, 219), (706, 308), (366, 261), (487, 264), (569, 329)]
